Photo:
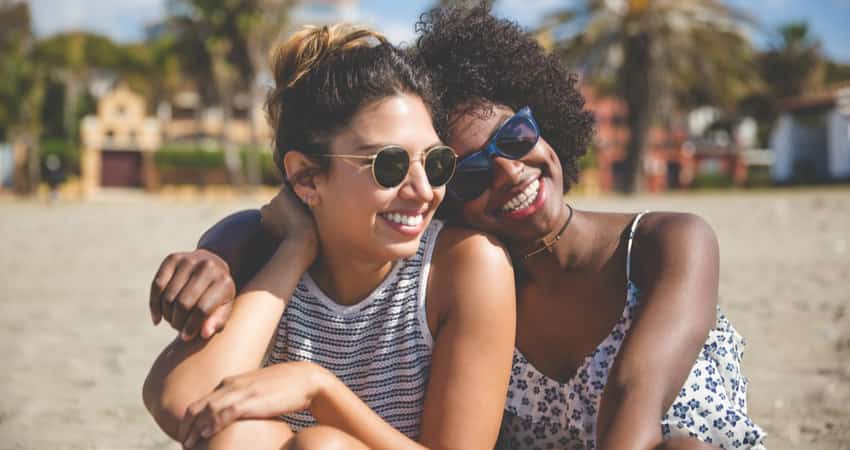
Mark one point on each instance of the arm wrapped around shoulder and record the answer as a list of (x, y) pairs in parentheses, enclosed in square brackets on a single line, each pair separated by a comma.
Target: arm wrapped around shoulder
[(242, 242)]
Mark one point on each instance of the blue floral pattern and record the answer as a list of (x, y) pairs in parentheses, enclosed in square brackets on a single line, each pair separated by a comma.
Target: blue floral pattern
[(542, 413)]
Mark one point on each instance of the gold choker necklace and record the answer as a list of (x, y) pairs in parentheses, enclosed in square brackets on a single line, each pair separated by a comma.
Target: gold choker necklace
[(548, 244)]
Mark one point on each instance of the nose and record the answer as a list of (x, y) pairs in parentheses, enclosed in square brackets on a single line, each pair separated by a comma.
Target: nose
[(507, 171), (416, 186)]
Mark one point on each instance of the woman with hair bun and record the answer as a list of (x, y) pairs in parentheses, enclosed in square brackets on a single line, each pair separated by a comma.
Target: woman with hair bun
[(370, 325)]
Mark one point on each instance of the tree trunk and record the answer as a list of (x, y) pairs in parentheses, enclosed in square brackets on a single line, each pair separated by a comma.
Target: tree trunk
[(252, 157), (232, 158), (33, 164), (636, 76)]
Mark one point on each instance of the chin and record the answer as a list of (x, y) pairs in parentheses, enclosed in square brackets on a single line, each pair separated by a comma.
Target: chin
[(399, 250)]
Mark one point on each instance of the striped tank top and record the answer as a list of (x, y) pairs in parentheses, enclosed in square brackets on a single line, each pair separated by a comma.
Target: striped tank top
[(380, 347)]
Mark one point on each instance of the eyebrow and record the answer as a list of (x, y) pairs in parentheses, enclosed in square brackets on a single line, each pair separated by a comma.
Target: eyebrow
[(503, 118)]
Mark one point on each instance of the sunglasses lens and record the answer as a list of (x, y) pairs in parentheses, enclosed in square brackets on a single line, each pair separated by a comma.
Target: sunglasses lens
[(517, 137), (472, 177), (440, 165), (390, 166)]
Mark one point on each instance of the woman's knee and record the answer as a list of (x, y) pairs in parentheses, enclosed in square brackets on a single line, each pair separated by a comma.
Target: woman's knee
[(321, 437), (253, 434)]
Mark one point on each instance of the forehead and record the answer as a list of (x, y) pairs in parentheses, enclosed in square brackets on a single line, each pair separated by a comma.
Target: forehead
[(470, 130), (400, 120)]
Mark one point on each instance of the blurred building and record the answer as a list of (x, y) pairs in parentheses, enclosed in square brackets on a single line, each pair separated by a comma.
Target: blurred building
[(667, 163), (7, 165), (696, 149), (811, 141), (187, 119), (118, 142)]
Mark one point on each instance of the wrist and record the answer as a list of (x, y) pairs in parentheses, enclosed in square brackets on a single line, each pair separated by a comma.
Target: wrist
[(322, 383), (298, 254)]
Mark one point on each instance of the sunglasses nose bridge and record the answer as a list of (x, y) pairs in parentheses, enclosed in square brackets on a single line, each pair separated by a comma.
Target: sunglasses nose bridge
[(416, 183)]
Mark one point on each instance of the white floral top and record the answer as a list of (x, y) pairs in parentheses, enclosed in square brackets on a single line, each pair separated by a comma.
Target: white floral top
[(542, 413)]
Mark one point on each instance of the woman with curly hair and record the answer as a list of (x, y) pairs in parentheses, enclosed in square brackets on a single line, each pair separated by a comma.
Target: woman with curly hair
[(619, 342)]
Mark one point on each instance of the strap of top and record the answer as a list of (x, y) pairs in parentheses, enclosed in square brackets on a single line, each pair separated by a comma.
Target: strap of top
[(629, 245)]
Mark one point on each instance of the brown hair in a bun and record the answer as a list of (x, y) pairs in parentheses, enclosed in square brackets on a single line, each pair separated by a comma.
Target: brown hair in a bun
[(324, 75)]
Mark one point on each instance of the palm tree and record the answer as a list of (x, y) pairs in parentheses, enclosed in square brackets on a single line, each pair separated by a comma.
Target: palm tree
[(794, 62), (654, 52)]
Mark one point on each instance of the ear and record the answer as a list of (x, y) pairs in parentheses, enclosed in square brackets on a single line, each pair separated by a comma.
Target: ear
[(302, 173)]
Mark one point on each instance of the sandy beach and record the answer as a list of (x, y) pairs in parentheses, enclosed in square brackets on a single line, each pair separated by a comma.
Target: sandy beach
[(76, 339)]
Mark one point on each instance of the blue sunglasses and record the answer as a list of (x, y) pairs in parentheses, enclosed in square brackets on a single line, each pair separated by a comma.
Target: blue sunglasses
[(513, 140)]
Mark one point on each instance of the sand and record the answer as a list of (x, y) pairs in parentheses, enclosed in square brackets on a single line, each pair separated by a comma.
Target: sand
[(76, 339)]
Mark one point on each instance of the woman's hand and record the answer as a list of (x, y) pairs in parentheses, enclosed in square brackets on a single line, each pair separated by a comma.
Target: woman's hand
[(285, 217), (260, 394)]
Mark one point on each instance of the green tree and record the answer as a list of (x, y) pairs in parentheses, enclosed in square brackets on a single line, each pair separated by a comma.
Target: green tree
[(794, 63), (836, 72), (72, 59), (21, 86), (222, 45), (654, 53)]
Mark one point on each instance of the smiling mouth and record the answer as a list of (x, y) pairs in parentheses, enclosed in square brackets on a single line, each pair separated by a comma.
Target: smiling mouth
[(522, 200), (404, 219)]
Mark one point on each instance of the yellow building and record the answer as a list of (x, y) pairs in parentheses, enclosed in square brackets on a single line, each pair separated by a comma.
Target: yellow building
[(118, 142)]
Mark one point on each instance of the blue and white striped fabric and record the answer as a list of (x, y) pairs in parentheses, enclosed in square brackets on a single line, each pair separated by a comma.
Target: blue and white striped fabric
[(380, 347)]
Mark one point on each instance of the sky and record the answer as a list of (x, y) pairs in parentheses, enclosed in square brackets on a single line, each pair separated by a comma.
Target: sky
[(124, 20)]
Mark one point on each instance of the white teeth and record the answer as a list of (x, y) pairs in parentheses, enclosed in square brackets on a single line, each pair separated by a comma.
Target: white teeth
[(410, 221), (524, 199)]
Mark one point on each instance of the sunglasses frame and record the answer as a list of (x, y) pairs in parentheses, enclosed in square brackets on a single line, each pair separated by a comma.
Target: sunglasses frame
[(423, 160), (491, 149)]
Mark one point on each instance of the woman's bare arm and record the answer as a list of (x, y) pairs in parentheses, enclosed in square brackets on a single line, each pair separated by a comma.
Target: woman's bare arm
[(676, 266), (241, 240), (192, 290), (472, 313), (186, 371), (472, 283)]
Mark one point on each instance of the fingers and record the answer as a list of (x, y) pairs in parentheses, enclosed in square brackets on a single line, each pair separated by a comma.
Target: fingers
[(178, 280), (211, 415), (219, 291), (215, 322), (191, 295), (187, 288), (158, 285)]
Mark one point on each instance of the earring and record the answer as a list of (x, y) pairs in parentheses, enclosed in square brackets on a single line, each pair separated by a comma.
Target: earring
[(310, 201)]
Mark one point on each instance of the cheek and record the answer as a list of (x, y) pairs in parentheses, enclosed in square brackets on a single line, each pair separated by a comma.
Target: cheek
[(349, 190), (473, 211)]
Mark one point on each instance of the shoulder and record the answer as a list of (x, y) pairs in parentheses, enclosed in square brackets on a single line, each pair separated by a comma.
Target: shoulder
[(470, 270), (241, 223), (667, 239), (668, 228), (456, 246)]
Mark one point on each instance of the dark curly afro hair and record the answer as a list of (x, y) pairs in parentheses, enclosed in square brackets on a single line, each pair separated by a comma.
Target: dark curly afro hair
[(478, 61)]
